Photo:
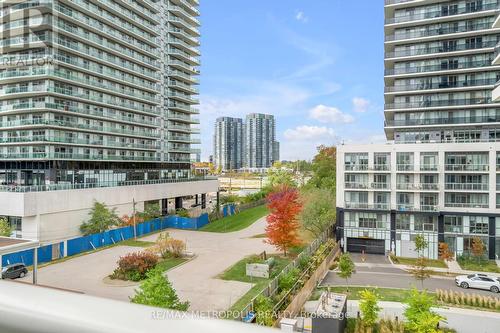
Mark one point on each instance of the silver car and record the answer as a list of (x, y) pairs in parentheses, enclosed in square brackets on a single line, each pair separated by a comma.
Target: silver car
[(478, 281)]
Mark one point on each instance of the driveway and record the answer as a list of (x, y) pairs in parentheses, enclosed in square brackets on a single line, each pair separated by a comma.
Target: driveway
[(195, 281)]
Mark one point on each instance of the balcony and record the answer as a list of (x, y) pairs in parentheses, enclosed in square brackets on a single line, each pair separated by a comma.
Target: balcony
[(467, 167), (436, 68), (356, 185), (380, 186), (381, 167), (433, 14), (438, 49), (367, 206), (436, 104), (404, 167), (441, 85), (495, 94), (465, 205), (467, 186), (428, 167), (437, 32), (350, 167), (443, 121)]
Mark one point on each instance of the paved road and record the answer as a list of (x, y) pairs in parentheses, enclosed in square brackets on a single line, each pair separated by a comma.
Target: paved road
[(195, 281), (376, 271)]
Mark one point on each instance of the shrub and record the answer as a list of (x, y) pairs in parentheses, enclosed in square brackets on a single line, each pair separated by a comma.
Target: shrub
[(182, 212), (391, 326), (157, 291), (304, 261), (135, 266), (263, 307), (286, 281)]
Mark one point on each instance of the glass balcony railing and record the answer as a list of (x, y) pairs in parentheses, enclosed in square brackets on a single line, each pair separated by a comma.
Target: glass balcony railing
[(467, 167), (467, 186), (381, 167), (437, 31), (441, 85), (430, 104), (405, 167), (57, 187), (356, 185), (363, 205), (72, 156), (74, 126), (361, 167), (440, 67), (431, 14), (444, 121), (466, 205), (428, 167), (439, 49), (77, 141)]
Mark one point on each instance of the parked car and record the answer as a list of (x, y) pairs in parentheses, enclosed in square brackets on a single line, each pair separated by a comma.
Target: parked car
[(14, 271), (479, 281)]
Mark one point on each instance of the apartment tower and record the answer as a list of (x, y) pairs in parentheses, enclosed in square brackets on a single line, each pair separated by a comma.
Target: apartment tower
[(260, 141), (228, 143), (95, 94), (437, 175)]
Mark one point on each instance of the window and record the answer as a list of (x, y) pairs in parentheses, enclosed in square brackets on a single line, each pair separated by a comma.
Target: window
[(453, 224), (425, 223), (478, 225), (403, 221)]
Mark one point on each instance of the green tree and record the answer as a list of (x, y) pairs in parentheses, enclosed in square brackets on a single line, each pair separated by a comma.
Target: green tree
[(346, 267), (151, 211), (157, 291), (278, 177), (420, 244), (318, 212), (368, 305), (5, 228), (420, 271), (420, 318), (101, 219), (324, 167)]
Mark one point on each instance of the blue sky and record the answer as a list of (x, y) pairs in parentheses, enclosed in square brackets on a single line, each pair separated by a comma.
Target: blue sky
[(317, 65)]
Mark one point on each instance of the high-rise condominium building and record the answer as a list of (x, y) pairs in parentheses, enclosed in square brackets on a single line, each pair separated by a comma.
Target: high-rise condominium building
[(438, 175), (228, 143), (260, 141), (95, 94)]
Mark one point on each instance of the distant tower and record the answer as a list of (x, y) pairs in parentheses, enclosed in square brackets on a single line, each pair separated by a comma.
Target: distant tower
[(228, 143), (260, 141)]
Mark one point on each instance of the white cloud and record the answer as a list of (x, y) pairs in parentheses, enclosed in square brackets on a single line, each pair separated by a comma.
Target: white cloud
[(301, 17), (305, 132), (327, 114), (301, 142), (360, 105)]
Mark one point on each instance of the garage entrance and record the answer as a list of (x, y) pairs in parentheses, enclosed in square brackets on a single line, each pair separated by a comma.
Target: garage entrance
[(373, 246)]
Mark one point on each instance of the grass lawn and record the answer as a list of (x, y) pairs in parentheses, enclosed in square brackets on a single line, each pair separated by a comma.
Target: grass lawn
[(135, 243), (238, 273), (411, 261), (236, 222), (385, 294), (170, 263), (483, 265)]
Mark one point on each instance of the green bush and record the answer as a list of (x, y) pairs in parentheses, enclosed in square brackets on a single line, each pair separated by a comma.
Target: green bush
[(286, 281), (182, 212), (135, 266), (263, 307)]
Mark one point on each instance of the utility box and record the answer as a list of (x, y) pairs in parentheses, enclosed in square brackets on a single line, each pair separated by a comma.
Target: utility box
[(330, 315)]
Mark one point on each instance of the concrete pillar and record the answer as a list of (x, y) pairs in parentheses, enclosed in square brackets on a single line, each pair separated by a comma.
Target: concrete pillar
[(203, 200), (441, 228), (491, 240), (393, 231), (164, 207), (35, 265), (178, 203), (196, 199)]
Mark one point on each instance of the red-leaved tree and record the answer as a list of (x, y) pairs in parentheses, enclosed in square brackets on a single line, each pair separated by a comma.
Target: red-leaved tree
[(282, 224)]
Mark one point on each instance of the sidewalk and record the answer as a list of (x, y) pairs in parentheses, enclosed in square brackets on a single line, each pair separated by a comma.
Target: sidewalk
[(462, 320), (453, 268)]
